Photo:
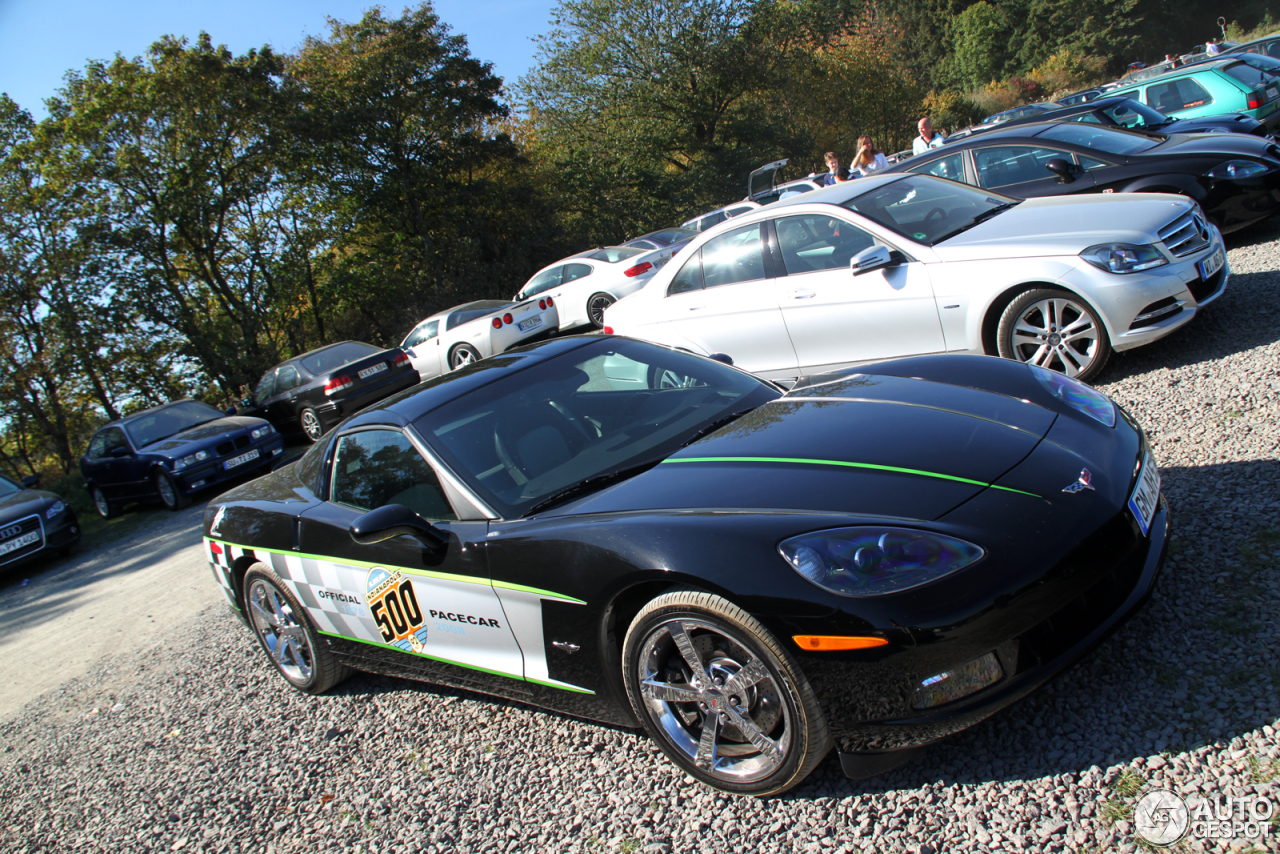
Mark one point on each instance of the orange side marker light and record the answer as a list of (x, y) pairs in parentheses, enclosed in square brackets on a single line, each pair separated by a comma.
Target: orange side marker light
[(828, 643)]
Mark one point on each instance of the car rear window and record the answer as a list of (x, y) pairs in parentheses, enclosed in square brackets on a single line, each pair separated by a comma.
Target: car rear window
[(1250, 74), (474, 311), (1100, 138), (614, 254), (337, 356)]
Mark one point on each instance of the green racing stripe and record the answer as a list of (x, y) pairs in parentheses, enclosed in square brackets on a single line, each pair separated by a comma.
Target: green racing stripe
[(846, 464)]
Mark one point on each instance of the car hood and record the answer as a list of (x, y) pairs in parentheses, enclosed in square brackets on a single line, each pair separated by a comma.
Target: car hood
[(1210, 145), (24, 503), (202, 434), (1230, 122), (1065, 225), (869, 445)]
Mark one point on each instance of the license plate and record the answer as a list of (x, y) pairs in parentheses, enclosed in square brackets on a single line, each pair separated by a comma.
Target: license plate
[(241, 460), (375, 369), (1271, 92), (532, 323), (1145, 495), (24, 540), (1212, 264)]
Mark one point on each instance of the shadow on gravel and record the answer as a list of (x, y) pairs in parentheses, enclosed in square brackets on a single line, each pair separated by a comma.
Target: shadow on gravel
[(1256, 234), (1196, 667)]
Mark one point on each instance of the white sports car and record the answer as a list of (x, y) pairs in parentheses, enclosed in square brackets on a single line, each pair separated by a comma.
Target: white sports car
[(903, 265), (584, 285), (477, 330)]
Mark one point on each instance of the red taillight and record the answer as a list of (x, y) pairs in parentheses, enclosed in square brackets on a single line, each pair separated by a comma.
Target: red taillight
[(497, 323), (338, 383), (608, 330), (549, 302), (508, 319), (542, 304), (637, 269), (401, 358), (1255, 101)]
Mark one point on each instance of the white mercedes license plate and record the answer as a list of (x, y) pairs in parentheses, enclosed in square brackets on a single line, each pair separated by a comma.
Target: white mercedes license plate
[(1145, 495), (241, 460), (15, 544), (1212, 264), (532, 323), (375, 369)]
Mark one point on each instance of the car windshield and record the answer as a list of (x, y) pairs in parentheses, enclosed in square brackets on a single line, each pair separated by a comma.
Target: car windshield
[(1134, 114), (613, 254), (8, 487), (576, 421), (474, 311), (1110, 140), (337, 356), (926, 209), (163, 423)]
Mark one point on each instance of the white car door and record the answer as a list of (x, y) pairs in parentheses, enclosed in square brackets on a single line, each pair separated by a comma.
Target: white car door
[(835, 318), (423, 349), (724, 300)]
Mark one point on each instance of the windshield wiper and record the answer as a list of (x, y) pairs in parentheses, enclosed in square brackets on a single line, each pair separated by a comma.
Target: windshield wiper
[(977, 220), (598, 481)]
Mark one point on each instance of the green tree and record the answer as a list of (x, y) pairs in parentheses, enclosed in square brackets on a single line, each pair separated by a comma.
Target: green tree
[(980, 38)]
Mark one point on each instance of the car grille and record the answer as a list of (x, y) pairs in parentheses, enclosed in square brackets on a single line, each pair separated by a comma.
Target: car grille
[(239, 444), (1185, 235), (1202, 289), (18, 529)]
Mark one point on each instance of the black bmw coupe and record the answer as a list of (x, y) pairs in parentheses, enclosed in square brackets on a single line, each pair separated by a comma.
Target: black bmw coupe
[(641, 536)]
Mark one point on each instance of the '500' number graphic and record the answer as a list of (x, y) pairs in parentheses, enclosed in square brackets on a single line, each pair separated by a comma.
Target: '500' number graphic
[(396, 611)]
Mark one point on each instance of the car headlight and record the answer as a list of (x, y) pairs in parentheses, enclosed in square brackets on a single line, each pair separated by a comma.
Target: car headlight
[(1124, 257), (875, 560), (264, 430), (57, 508), (1236, 169), (190, 460), (1077, 395)]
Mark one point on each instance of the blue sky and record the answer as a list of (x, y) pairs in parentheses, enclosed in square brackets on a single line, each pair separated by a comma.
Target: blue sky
[(40, 40)]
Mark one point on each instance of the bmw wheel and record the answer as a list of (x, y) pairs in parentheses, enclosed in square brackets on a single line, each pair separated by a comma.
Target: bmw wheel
[(172, 497), (595, 308), (102, 504), (1056, 330), (462, 355), (310, 423), (721, 696), (285, 634)]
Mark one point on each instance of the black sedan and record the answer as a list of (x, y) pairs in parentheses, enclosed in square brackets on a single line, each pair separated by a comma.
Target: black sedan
[(310, 393), (33, 522), (1235, 177), (172, 451), (641, 536), (1119, 111)]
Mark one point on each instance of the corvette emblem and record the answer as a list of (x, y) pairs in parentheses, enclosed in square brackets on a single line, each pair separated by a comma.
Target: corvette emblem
[(1085, 482)]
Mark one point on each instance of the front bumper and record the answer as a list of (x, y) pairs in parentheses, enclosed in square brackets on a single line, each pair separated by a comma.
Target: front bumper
[(60, 532), (207, 474)]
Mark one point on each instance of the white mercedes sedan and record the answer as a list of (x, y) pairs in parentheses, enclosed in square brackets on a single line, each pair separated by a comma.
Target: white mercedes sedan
[(905, 265), (476, 330)]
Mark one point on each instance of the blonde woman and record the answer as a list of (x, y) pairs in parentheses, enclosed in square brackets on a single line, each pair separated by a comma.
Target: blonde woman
[(869, 159)]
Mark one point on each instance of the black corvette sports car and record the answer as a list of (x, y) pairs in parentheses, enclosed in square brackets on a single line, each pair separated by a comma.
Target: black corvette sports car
[(641, 536)]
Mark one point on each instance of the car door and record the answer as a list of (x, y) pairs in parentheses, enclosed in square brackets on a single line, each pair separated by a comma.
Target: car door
[(725, 299), (835, 318), (423, 348), (1022, 171), (119, 469), (430, 610)]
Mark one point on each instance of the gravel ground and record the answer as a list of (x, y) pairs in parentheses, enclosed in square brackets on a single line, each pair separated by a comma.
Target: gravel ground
[(197, 745)]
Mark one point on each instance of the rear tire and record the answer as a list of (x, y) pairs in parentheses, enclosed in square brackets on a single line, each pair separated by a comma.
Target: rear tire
[(285, 634), (106, 509), (1054, 329), (311, 425), (462, 355), (596, 306)]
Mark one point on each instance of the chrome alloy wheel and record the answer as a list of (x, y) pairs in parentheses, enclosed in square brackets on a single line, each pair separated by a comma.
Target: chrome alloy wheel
[(714, 700), (311, 424), (595, 309), (168, 492), (1057, 333), (282, 632)]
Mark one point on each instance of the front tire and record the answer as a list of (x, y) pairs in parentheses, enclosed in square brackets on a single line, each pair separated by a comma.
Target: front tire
[(596, 306), (721, 697), (1054, 329), (285, 634), (462, 355), (170, 495)]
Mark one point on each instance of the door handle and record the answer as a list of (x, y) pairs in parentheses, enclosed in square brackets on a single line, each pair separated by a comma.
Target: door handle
[(802, 293)]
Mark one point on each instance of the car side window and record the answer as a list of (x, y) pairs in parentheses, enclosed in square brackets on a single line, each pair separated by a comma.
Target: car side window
[(1177, 95), (374, 468), (544, 281), (97, 447), (287, 378), (689, 278), (818, 242), (112, 438), (1003, 165), (951, 166), (733, 257), (1086, 117), (572, 272), (266, 386), (1090, 163), (425, 332)]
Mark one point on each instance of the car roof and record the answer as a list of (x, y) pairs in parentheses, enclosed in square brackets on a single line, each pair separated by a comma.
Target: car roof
[(1241, 48), (1196, 67), (410, 405), (148, 411)]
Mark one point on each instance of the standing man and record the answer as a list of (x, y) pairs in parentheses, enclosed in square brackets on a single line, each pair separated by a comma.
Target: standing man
[(927, 139)]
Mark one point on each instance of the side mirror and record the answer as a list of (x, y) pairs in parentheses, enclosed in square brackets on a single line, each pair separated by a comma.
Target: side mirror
[(721, 357), (246, 403), (31, 481), (872, 258), (120, 451), (231, 410), (395, 520), (1061, 168)]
